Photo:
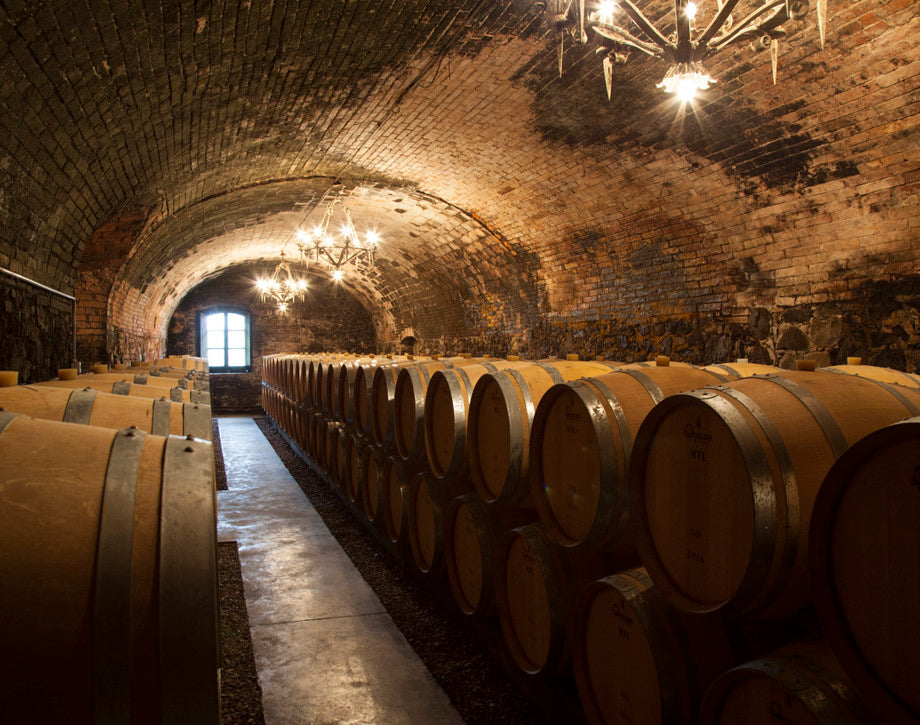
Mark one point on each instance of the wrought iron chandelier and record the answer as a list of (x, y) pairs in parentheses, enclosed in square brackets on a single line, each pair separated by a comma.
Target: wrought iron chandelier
[(688, 46), (346, 247), (282, 287)]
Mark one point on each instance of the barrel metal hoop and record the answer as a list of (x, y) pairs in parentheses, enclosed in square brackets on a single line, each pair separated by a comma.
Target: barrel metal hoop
[(159, 419), (895, 393), (196, 396), (790, 486), (175, 395), (188, 614), (466, 378), (819, 412), (614, 406), (523, 387), (80, 406), (762, 487), (646, 382), (517, 421), (112, 651), (122, 387), (140, 379), (554, 374), (487, 365), (6, 417), (727, 368)]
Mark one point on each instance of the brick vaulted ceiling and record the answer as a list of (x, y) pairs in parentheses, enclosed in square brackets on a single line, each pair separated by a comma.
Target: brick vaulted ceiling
[(502, 192)]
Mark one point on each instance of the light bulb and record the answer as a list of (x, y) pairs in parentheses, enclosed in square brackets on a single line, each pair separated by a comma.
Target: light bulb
[(372, 238), (337, 275), (690, 10), (686, 89), (605, 11), (282, 307)]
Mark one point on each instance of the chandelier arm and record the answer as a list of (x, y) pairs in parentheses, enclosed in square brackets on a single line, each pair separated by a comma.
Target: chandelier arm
[(683, 47), (619, 35), (717, 22), (645, 25), (751, 25)]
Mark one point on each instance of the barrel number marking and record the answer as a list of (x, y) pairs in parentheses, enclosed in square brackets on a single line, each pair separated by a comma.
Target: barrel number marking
[(697, 441)]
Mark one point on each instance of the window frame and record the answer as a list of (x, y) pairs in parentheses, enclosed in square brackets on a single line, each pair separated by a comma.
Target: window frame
[(203, 335)]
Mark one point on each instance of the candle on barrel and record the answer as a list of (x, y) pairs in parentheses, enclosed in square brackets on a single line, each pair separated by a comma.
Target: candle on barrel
[(805, 365), (8, 378), (854, 361), (67, 373)]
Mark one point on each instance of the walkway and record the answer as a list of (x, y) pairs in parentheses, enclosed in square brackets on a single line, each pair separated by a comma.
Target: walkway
[(326, 651)]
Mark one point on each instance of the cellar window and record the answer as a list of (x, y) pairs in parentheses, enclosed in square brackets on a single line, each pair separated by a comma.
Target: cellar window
[(225, 340)]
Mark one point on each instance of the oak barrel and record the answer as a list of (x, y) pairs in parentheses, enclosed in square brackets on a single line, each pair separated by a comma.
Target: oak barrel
[(864, 560), (125, 386), (91, 407), (472, 532), (799, 683), (395, 491), (581, 442), (723, 479), (109, 601), (637, 659), (498, 429)]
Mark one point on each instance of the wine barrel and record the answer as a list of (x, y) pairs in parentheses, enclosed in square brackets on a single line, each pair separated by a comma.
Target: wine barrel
[(331, 463), (537, 584), (864, 550), (382, 392), (345, 388), (472, 532), (800, 683), (158, 381), (498, 427), (885, 375), (429, 499), (409, 405), (371, 471), (109, 602), (445, 420), (344, 442), (186, 362), (580, 445), (395, 492), (125, 387), (637, 659), (91, 407), (354, 471), (723, 480)]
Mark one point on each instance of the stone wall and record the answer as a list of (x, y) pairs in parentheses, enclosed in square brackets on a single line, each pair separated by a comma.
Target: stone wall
[(36, 330)]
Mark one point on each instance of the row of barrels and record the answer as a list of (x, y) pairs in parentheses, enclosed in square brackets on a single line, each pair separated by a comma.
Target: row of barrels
[(108, 552), (614, 515)]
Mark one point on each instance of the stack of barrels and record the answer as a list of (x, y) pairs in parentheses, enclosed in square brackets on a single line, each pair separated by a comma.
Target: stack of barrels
[(719, 544), (108, 546)]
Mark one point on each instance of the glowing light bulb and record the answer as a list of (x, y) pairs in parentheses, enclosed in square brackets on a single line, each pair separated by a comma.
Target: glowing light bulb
[(605, 12), (690, 10), (303, 236), (282, 307), (302, 284), (337, 275), (372, 238), (686, 89)]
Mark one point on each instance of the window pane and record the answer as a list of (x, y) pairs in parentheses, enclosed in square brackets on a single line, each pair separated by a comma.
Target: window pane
[(237, 358), (236, 339), (216, 357), (216, 321), (235, 322)]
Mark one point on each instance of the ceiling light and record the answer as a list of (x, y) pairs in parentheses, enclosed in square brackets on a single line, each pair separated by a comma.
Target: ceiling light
[(620, 27)]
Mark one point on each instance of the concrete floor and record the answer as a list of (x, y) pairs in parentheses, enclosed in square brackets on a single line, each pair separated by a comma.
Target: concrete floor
[(326, 651)]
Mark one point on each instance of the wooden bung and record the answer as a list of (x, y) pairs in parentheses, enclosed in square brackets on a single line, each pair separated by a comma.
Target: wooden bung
[(864, 547), (722, 483)]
